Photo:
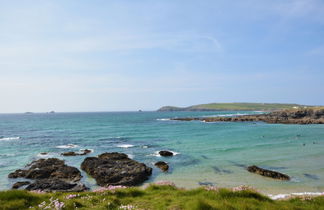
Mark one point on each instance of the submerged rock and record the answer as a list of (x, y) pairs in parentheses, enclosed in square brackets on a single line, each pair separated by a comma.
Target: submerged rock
[(116, 169), (206, 183), (19, 184), (50, 169), (311, 176), (162, 165), (268, 173), (166, 153)]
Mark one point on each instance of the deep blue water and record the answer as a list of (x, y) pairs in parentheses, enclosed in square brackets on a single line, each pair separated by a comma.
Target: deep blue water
[(209, 153)]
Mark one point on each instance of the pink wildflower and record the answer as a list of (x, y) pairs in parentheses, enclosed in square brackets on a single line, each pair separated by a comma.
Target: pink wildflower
[(242, 188), (211, 188), (127, 207), (71, 196), (109, 188), (38, 191)]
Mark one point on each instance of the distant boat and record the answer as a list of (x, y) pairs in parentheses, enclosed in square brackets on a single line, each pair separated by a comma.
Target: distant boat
[(29, 113), (52, 112), (139, 110)]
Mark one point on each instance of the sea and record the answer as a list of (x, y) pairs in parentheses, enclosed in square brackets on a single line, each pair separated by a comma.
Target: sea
[(206, 154)]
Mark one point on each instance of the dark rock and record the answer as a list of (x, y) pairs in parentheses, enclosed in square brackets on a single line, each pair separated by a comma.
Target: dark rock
[(268, 173), (293, 116), (84, 152), (19, 184), (162, 165), (166, 153), (18, 173), (52, 170), (69, 154), (43, 153), (48, 168), (113, 156), (50, 185), (116, 169)]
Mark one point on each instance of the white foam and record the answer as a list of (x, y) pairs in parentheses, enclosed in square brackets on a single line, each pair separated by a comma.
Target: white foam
[(145, 147), (164, 119), (226, 115), (130, 156), (282, 196), (9, 138), (125, 146), (47, 155), (68, 146)]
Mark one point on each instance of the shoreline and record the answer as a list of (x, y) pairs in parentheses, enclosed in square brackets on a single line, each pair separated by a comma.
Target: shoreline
[(297, 116)]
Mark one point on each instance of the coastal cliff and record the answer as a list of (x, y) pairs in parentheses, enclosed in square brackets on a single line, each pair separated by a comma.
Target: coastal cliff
[(292, 116)]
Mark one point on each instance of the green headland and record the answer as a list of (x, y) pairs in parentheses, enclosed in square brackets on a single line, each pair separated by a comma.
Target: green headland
[(233, 106)]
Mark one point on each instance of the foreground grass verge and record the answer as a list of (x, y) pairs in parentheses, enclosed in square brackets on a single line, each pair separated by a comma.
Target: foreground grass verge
[(154, 197)]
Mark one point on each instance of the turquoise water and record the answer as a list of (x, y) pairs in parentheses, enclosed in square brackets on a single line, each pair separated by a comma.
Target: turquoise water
[(209, 153)]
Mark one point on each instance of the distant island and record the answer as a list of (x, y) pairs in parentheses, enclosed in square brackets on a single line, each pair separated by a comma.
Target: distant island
[(234, 106)]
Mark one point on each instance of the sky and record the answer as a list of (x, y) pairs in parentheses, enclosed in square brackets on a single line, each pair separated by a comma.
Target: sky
[(123, 55)]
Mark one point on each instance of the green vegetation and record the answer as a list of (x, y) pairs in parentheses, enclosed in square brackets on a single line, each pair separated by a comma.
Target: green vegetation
[(233, 106), (154, 197)]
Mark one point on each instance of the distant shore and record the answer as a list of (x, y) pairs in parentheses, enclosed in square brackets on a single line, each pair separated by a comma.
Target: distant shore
[(234, 107), (292, 116)]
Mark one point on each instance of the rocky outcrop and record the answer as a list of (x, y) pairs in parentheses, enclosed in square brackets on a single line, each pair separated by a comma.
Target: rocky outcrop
[(116, 169), (50, 185), (166, 153), (51, 170), (267, 173), (293, 116), (20, 184), (84, 152), (48, 168), (162, 165)]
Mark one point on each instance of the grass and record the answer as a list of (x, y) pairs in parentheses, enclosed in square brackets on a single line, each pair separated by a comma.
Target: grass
[(154, 197), (234, 106)]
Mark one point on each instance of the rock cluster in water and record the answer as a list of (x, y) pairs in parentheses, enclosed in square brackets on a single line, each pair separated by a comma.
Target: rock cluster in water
[(50, 174), (84, 152), (268, 173), (116, 169), (298, 116)]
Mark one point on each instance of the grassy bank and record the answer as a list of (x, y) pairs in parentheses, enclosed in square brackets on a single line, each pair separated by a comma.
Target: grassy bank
[(153, 197)]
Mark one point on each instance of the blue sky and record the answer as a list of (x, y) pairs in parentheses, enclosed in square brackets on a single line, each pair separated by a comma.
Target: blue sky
[(122, 55)]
